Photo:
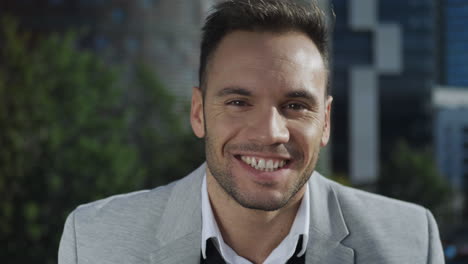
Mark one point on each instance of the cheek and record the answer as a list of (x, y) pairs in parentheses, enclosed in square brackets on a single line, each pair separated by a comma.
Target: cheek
[(307, 138), (223, 128), (224, 124)]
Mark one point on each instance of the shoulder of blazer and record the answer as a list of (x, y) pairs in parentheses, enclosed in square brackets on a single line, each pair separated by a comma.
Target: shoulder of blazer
[(384, 228), (131, 204), (352, 199), (147, 207)]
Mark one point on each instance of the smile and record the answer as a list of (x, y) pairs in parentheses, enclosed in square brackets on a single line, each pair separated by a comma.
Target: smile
[(263, 164)]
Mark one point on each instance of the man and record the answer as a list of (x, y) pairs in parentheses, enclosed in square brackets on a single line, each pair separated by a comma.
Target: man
[(263, 109)]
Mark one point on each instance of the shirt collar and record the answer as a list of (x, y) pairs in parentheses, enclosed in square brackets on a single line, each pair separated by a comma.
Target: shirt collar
[(210, 228)]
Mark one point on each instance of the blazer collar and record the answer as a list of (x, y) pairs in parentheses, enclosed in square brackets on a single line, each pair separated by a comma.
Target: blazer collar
[(179, 233), (327, 225)]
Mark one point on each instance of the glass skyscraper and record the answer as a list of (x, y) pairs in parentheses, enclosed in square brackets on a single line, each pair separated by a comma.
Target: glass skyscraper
[(454, 42), (395, 41)]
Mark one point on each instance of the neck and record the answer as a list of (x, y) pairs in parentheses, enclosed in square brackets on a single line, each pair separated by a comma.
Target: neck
[(241, 227)]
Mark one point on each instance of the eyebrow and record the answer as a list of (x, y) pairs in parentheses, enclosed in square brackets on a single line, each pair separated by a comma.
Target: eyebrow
[(233, 90), (302, 94)]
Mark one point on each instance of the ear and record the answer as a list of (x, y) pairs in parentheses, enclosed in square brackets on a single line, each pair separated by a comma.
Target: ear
[(327, 122), (196, 113)]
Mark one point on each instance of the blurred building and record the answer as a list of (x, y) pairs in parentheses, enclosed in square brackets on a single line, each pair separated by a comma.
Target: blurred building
[(164, 34), (453, 42), (450, 98), (384, 64), (451, 139)]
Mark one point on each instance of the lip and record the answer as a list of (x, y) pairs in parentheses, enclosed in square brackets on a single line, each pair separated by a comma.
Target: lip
[(265, 177)]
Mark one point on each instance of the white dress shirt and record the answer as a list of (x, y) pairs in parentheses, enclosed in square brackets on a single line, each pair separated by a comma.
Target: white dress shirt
[(281, 254)]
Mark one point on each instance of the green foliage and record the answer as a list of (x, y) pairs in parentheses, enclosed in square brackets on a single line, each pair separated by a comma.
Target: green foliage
[(167, 146), (340, 178), (63, 140), (412, 176), (70, 134)]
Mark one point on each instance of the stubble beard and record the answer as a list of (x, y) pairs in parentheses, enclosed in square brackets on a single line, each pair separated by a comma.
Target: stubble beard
[(221, 171)]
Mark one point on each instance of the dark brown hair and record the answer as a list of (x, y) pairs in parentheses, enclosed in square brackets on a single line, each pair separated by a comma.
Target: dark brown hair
[(275, 16)]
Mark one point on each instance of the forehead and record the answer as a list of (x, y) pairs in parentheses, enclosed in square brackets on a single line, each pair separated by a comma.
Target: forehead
[(290, 58)]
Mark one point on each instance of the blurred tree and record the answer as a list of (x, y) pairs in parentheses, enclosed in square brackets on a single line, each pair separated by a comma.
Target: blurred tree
[(63, 140), (67, 138), (341, 178), (412, 176), (167, 146)]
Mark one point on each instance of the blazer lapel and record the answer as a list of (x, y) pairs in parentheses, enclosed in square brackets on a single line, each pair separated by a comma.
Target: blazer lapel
[(179, 233), (327, 226), (181, 250), (321, 249)]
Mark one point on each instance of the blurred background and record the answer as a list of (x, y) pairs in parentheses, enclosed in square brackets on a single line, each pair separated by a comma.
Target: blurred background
[(94, 101)]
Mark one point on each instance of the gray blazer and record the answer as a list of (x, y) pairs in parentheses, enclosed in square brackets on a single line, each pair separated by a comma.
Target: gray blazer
[(164, 226)]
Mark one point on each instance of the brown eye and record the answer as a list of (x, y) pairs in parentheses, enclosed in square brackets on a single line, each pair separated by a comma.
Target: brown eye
[(237, 103), (295, 106)]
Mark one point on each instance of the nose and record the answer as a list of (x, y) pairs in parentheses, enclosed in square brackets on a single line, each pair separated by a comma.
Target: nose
[(269, 128)]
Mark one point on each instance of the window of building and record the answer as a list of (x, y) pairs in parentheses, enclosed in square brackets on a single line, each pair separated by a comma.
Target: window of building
[(118, 15)]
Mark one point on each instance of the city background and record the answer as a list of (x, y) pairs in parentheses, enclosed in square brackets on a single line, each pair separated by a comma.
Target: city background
[(94, 100)]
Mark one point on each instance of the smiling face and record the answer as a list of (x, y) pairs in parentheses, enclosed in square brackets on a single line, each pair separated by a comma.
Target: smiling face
[(264, 116)]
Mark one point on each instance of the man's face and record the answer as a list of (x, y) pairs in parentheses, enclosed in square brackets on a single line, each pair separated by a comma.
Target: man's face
[(264, 116)]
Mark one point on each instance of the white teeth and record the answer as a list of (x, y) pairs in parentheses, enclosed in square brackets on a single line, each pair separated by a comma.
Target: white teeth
[(269, 165), (262, 164)]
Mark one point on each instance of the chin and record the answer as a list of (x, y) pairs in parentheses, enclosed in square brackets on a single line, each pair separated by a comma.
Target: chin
[(263, 202)]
